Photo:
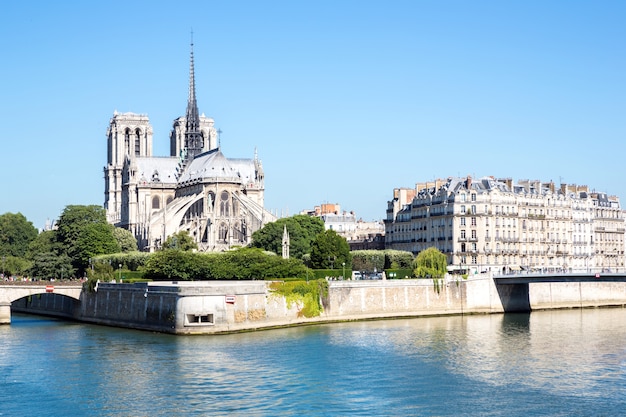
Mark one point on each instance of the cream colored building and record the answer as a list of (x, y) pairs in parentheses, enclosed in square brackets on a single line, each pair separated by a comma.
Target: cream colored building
[(218, 200), (359, 233), (495, 225)]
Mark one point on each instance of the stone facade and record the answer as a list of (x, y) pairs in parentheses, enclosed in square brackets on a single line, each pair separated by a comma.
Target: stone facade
[(218, 200), (496, 225)]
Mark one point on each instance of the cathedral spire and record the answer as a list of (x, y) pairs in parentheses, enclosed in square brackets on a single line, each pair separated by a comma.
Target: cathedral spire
[(193, 136)]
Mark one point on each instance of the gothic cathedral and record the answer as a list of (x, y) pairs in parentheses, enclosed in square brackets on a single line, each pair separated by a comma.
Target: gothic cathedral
[(218, 200)]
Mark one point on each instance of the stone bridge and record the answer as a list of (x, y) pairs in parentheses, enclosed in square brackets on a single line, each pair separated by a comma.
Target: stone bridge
[(15, 291), (526, 292)]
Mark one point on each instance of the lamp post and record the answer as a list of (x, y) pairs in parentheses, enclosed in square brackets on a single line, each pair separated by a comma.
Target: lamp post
[(4, 258), (120, 272), (343, 275)]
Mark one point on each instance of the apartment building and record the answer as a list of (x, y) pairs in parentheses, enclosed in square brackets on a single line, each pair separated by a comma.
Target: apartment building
[(497, 225)]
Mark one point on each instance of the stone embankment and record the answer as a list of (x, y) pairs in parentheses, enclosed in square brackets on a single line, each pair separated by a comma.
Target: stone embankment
[(203, 307)]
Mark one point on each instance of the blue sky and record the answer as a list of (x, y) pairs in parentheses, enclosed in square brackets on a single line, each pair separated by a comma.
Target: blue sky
[(344, 100)]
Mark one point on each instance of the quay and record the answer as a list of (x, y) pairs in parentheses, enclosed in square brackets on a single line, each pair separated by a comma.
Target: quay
[(213, 307)]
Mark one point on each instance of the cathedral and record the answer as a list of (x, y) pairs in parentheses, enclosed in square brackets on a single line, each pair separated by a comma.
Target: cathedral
[(218, 200)]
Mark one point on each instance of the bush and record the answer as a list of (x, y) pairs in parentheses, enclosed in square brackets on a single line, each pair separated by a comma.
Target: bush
[(244, 263)]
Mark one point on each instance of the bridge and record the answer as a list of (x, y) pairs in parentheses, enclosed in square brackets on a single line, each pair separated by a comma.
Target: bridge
[(529, 291), (511, 279), (10, 292)]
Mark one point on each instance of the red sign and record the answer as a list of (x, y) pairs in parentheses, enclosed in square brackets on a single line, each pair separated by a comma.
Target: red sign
[(49, 288), (230, 299)]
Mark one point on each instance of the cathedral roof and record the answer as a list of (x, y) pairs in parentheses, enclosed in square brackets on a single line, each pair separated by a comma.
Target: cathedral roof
[(156, 169), (214, 166)]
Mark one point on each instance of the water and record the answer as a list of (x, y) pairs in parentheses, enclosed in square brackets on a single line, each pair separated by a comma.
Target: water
[(553, 363)]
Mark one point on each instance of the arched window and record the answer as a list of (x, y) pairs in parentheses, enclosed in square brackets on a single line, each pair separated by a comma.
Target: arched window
[(156, 202), (223, 233), (244, 231), (137, 142), (224, 204), (235, 208), (127, 140), (170, 199), (211, 201)]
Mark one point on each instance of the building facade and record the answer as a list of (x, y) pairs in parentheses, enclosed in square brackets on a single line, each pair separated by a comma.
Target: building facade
[(495, 225), (359, 234), (218, 200)]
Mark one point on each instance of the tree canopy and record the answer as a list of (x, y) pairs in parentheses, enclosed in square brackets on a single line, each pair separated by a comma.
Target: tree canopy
[(83, 233), (125, 239), (243, 263), (16, 233), (329, 250), (180, 241), (302, 232), (430, 263)]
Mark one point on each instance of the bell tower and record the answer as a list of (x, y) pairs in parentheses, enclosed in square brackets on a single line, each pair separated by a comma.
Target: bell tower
[(129, 136)]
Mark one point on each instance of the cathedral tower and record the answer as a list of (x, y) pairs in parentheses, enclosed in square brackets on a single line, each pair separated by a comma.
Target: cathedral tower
[(129, 136)]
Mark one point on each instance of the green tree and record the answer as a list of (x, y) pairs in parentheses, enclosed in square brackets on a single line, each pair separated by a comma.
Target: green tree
[(431, 263), (180, 241), (14, 265), (125, 239), (302, 232), (49, 265), (45, 242), (16, 233), (329, 250), (174, 265), (83, 233)]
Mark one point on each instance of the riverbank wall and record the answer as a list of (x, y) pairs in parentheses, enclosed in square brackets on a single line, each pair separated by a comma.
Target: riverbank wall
[(211, 307)]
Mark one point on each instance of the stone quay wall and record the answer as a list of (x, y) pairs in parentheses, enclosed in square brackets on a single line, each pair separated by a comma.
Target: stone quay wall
[(211, 307)]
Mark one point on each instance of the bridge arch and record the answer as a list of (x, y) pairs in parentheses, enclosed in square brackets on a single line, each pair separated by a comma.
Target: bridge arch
[(13, 292)]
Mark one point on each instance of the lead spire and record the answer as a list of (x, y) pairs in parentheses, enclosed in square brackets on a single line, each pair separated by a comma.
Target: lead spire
[(193, 136)]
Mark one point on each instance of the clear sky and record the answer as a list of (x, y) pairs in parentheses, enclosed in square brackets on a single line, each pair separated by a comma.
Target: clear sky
[(344, 100)]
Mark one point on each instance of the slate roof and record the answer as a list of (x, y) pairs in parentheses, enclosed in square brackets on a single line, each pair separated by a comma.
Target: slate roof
[(157, 169), (213, 165)]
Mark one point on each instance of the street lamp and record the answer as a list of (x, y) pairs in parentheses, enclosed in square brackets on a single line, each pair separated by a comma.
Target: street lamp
[(343, 275), (120, 272)]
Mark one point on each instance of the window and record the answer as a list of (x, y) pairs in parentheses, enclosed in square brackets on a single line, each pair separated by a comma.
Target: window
[(138, 142), (473, 233), (473, 197), (473, 221), (223, 233), (156, 202), (224, 204), (462, 221), (462, 234), (127, 141), (199, 319)]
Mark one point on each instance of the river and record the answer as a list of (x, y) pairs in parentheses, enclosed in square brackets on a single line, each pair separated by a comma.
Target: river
[(547, 363)]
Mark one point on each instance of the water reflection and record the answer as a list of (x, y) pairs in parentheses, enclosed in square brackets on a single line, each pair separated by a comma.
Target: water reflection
[(552, 363)]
